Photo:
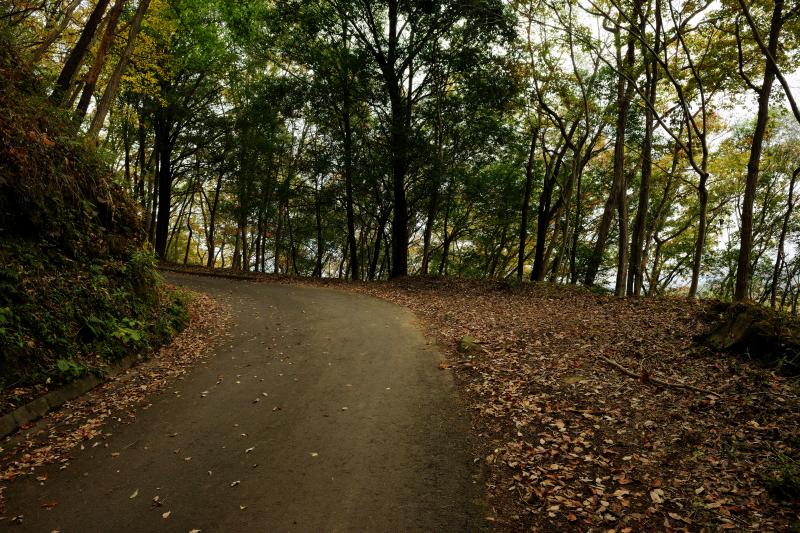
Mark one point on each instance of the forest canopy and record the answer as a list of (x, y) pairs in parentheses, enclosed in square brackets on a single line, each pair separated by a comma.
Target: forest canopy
[(637, 146)]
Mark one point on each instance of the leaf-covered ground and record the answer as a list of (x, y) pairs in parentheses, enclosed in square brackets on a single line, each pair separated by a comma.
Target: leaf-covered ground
[(578, 431), (58, 434)]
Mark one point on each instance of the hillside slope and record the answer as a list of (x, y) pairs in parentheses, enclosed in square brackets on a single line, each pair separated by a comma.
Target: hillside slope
[(77, 288)]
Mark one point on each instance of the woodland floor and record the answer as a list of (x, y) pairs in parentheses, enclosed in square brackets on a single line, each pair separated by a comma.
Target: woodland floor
[(575, 426), (569, 438)]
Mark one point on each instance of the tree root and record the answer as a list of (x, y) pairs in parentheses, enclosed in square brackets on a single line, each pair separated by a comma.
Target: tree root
[(651, 379)]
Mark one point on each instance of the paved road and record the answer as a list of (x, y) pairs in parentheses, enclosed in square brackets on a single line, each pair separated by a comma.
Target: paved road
[(358, 431)]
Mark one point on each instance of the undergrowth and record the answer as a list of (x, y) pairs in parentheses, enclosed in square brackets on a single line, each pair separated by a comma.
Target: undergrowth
[(78, 291)]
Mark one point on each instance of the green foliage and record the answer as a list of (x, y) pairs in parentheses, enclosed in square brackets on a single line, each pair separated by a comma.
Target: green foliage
[(94, 316), (77, 289), (141, 270), (129, 332), (784, 480), (67, 370)]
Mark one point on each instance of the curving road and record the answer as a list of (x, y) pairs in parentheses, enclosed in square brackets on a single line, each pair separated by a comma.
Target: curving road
[(355, 429)]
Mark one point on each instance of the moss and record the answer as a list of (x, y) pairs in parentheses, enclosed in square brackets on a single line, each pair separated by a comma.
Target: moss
[(783, 482), (468, 346)]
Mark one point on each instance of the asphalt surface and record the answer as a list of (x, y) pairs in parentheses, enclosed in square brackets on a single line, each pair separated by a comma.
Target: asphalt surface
[(323, 411)]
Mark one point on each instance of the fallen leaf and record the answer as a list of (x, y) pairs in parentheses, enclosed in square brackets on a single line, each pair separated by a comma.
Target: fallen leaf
[(135, 494), (657, 495), (676, 516)]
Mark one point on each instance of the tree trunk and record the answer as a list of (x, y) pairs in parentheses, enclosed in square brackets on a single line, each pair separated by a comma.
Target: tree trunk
[(354, 269), (259, 238), (113, 83), (743, 274), (618, 186), (73, 63), (436, 180), (276, 269), (780, 259), (99, 59), (399, 165), (189, 227), (142, 161), (495, 258), (433, 206), (151, 226), (126, 145), (236, 261), (702, 198), (164, 187), (619, 168), (636, 274), (373, 267), (320, 245), (344, 259), (212, 221), (576, 231), (545, 211), (526, 204), (445, 235), (566, 195)]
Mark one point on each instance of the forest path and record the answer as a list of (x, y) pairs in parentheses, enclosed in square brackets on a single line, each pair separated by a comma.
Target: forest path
[(323, 411)]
